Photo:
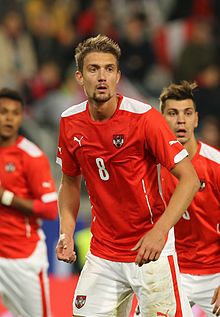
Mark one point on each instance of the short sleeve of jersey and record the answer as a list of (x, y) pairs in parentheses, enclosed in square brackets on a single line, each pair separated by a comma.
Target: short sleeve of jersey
[(161, 141), (218, 178), (40, 178), (64, 156)]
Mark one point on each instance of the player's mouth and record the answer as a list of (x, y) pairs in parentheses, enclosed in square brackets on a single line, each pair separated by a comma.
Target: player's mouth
[(7, 130), (102, 88), (7, 127), (181, 133)]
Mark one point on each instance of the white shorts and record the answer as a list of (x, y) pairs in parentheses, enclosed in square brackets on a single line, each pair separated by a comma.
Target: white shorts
[(106, 288), (24, 285), (200, 289)]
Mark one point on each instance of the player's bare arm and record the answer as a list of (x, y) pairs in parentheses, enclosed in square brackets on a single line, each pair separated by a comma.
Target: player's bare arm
[(68, 203), (11, 200), (216, 301), (28, 206), (150, 246)]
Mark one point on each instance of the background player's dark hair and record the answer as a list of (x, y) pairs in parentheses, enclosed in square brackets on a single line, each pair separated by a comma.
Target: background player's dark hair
[(100, 43), (11, 94), (181, 91)]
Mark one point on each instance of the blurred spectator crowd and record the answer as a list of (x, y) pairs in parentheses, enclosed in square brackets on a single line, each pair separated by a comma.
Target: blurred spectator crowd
[(161, 41)]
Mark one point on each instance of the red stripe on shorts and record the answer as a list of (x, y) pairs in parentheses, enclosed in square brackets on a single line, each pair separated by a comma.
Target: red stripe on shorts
[(175, 286), (43, 296)]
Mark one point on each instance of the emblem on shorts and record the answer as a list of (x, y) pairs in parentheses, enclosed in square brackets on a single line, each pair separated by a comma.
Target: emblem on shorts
[(10, 167), (118, 140), (80, 301), (202, 185)]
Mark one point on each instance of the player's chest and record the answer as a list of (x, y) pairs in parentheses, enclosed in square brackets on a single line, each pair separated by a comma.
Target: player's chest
[(12, 169), (115, 139)]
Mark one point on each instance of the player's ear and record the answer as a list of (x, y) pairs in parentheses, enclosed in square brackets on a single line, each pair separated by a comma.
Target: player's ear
[(118, 76), (197, 120), (79, 77)]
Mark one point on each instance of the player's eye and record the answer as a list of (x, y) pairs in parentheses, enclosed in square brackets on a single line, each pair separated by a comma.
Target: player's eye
[(92, 69), (110, 68), (171, 113)]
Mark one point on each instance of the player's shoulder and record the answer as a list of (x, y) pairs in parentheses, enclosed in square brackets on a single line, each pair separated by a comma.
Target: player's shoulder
[(134, 106), (29, 148), (209, 152), (75, 109)]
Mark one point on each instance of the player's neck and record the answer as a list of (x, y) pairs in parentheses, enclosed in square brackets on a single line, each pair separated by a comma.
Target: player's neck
[(5, 142), (191, 147), (100, 111)]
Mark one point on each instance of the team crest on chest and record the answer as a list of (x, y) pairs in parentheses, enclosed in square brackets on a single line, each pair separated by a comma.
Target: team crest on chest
[(118, 140), (80, 301), (10, 167)]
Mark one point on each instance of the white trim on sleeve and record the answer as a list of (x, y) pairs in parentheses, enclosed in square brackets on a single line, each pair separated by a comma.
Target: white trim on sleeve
[(49, 197), (180, 156)]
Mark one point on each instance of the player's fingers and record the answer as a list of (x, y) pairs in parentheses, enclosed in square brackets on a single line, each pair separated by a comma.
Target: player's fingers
[(154, 256), (214, 297), (137, 246), (143, 262), (71, 258), (67, 258), (139, 258), (60, 247), (216, 311), (149, 257), (62, 251), (142, 257)]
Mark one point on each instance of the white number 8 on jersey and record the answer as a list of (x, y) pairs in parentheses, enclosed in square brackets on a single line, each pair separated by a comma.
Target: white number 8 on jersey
[(103, 173)]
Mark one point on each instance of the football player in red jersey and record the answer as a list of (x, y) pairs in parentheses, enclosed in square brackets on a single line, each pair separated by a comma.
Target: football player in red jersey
[(116, 142), (27, 195), (197, 234)]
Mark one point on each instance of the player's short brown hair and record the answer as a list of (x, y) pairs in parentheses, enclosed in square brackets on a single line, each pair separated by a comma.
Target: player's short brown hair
[(181, 91), (11, 94), (100, 43)]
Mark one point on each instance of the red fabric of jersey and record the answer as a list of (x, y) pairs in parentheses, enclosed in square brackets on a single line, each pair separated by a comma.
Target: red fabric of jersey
[(118, 158), (25, 171), (197, 233)]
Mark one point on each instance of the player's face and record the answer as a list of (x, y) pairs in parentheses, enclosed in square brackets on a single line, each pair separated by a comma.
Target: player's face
[(11, 115), (99, 77), (182, 118)]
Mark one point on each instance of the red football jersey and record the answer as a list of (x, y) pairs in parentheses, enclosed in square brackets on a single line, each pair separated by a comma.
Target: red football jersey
[(25, 171), (118, 158), (198, 231)]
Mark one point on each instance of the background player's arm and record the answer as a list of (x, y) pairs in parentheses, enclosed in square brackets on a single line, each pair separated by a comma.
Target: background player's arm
[(216, 301), (42, 202), (151, 245), (46, 210), (68, 202)]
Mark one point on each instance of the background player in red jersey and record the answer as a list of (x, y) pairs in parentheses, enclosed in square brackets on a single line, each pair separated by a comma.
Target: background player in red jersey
[(114, 143), (198, 232), (27, 194)]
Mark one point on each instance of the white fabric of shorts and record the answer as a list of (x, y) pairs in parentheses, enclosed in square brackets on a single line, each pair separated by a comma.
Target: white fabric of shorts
[(200, 289), (24, 284), (106, 288)]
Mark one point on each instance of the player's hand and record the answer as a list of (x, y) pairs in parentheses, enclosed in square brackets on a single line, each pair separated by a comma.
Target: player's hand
[(216, 301), (149, 247), (65, 249)]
